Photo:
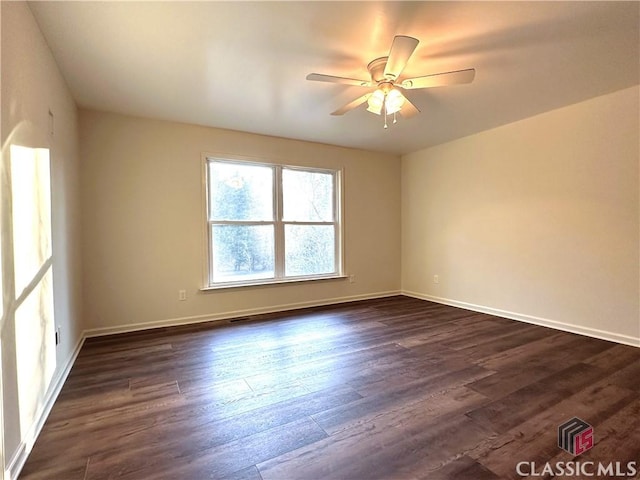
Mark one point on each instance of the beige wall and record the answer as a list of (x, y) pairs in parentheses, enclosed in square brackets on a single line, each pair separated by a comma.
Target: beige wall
[(143, 237), (538, 219), (31, 86)]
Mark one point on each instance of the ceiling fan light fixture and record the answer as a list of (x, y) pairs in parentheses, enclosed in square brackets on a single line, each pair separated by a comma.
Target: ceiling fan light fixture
[(394, 101), (376, 101)]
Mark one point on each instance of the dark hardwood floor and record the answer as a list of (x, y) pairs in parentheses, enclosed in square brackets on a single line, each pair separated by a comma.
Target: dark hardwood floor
[(394, 388)]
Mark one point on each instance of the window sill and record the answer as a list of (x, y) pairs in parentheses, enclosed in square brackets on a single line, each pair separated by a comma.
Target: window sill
[(267, 283)]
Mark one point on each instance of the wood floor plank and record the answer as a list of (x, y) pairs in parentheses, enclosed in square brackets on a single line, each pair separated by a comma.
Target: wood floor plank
[(511, 410), (186, 439), (614, 358), (72, 469), (511, 376), (628, 376), (391, 388), (219, 462), (462, 468), (341, 367), (510, 339), (401, 406), (557, 347), (115, 401), (486, 331), (396, 445)]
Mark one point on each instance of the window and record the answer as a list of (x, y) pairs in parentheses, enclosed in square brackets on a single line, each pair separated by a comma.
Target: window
[(271, 223)]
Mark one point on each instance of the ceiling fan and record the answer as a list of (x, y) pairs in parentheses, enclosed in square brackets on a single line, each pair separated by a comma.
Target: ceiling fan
[(386, 97)]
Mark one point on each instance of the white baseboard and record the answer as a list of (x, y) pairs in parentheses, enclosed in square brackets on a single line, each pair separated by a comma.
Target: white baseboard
[(544, 322), (171, 322), (18, 459)]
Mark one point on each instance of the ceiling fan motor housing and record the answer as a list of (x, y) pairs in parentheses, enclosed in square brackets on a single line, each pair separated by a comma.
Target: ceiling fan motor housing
[(376, 70)]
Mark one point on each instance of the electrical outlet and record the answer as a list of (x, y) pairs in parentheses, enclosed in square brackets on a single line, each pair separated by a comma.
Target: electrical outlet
[(182, 295), (436, 279), (352, 278)]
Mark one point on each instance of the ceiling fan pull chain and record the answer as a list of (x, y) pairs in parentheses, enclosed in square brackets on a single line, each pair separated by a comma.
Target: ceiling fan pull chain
[(394, 118), (385, 111)]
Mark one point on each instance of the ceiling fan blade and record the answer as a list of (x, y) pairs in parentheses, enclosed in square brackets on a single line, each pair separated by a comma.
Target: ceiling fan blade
[(440, 79), (351, 105), (401, 49), (319, 77), (408, 109)]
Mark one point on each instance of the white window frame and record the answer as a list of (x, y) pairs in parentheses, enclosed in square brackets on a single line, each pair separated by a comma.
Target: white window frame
[(277, 222)]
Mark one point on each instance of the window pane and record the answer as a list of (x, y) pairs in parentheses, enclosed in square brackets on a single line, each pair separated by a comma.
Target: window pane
[(309, 249), (308, 196), (242, 252), (240, 192)]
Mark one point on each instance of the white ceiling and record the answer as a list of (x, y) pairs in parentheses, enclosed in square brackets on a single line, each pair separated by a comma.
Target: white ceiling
[(242, 65)]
